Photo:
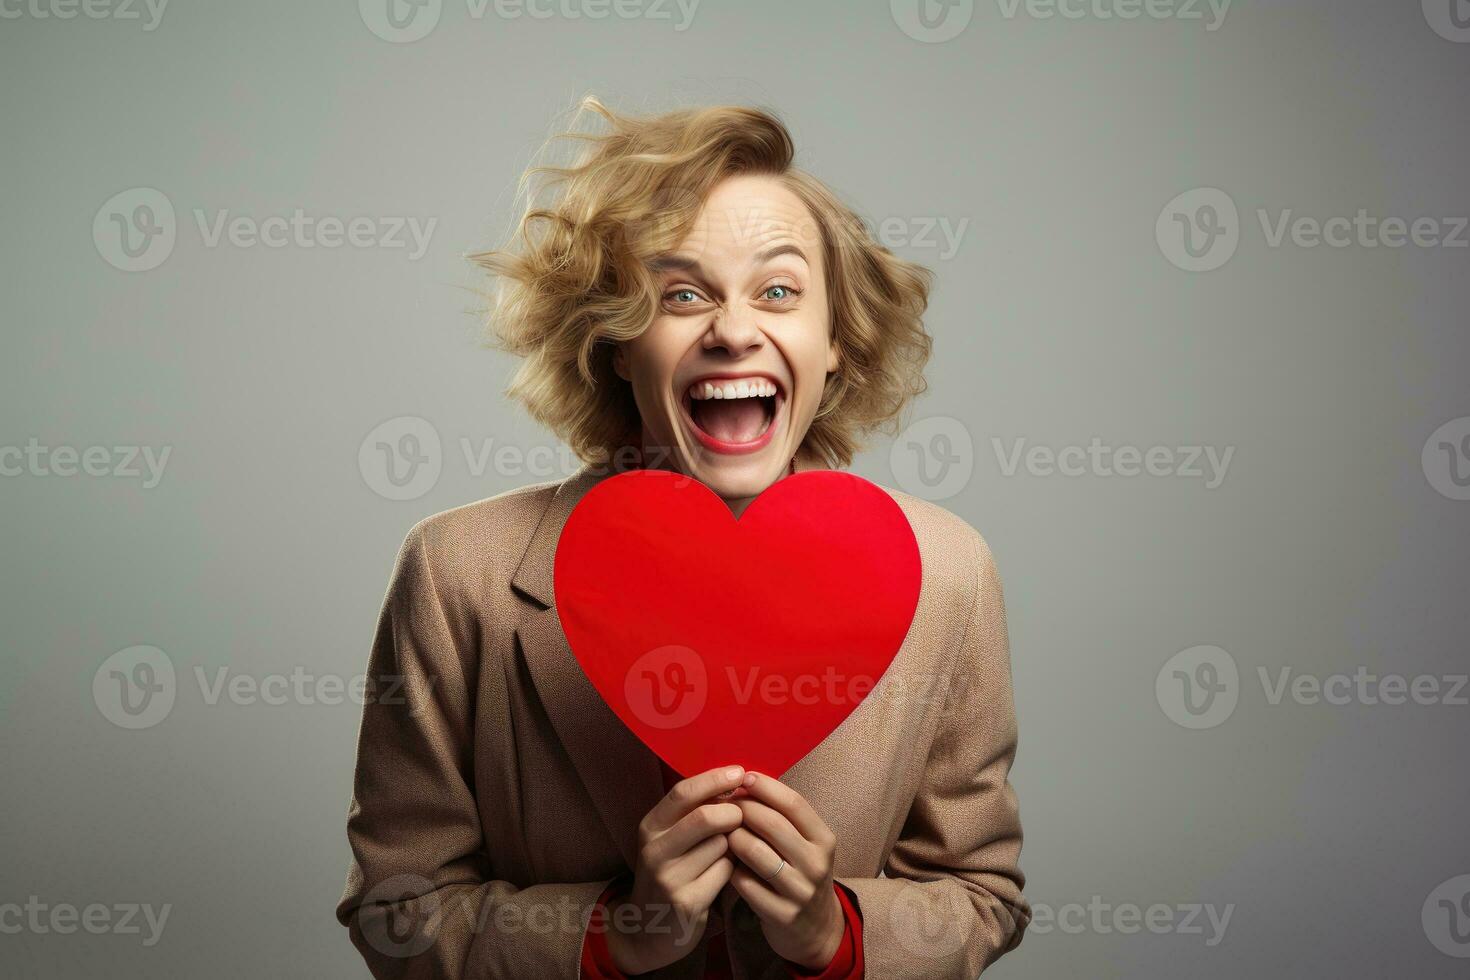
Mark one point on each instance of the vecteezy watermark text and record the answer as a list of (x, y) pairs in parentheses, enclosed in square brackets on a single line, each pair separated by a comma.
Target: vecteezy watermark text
[(1200, 229), (135, 230), (936, 21), (402, 914), (1212, 12), (121, 462), (1206, 463), (137, 687), (405, 21), (1100, 917), (42, 918), (90, 9), (1201, 686), (402, 458)]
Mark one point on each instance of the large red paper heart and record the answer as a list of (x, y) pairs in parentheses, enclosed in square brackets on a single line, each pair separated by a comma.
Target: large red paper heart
[(744, 642)]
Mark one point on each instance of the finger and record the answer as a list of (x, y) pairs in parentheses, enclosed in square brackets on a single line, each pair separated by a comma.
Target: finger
[(764, 902), (704, 889), (773, 828), (791, 804), (706, 821), (689, 793), (686, 867), (777, 872)]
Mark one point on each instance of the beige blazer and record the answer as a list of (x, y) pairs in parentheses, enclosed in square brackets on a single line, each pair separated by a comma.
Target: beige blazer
[(496, 794)]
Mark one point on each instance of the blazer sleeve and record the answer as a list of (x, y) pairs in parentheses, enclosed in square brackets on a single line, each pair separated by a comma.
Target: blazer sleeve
[(847, 962), (421, 899), (950, 903)]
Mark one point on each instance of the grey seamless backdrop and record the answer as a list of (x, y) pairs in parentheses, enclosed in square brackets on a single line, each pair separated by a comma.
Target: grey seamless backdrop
[(1220, 452)]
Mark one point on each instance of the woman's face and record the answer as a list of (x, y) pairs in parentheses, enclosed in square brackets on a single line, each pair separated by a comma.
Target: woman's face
[(729, 374)]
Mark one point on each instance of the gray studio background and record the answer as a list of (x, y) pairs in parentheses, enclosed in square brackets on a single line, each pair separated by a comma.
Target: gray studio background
[(1065, 155)]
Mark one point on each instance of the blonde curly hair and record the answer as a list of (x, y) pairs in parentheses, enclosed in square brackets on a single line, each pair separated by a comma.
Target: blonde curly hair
[(575, 278)]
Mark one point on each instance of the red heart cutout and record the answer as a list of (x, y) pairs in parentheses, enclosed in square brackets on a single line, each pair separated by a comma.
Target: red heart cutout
[(747, 642)]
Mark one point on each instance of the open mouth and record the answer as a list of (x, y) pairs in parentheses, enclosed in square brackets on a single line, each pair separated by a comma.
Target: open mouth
[(735, 414)]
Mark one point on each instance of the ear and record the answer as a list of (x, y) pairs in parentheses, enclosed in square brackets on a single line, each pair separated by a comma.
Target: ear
[(620, 362), (832, 359)]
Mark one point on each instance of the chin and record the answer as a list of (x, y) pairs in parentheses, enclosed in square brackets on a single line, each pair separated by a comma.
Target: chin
[(737, 479)]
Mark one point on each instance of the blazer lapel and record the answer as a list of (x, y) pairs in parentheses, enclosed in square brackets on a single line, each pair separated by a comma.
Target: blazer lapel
[(621, 774)]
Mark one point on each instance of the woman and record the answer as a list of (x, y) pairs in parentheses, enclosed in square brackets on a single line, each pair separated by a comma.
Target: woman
[(685, 299)]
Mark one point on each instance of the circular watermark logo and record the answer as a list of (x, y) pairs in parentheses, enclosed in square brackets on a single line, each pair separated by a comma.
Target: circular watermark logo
[(667, 687), (135, 688), (1446, 459), (401, 459), (1198, 687), (1199, 230), (1450, 19), (931, 925), (135, 229), (392, 931), (933, 458), (1446, 917), (932, 21), (400, 21)]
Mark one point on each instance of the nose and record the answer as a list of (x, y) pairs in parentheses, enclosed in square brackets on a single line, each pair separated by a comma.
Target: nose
[(734, 330)]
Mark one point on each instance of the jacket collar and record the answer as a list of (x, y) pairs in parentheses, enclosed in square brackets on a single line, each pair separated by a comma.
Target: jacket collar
[(622, 776), (534, 575)]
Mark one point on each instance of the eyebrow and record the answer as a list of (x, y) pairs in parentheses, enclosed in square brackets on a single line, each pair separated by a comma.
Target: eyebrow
[(671, 263), (775, 250)]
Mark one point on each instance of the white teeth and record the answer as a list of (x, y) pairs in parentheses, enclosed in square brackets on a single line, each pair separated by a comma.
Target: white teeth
[(744, 388)]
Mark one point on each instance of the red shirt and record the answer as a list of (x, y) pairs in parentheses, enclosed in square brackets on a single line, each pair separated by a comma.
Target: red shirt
[(847, 964)]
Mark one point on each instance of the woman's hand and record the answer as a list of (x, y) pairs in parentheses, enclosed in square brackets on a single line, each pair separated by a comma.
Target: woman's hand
[(798, 908), (682, 865)]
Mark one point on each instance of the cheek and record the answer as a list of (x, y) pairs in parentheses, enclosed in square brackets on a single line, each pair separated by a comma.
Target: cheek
[(809, 359), (652, 357)]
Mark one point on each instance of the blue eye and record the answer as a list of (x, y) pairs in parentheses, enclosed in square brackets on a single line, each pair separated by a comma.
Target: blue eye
[(684, 295), (785, 292)]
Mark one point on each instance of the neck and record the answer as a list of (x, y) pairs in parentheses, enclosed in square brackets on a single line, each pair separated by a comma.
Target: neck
[(737, 505)]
